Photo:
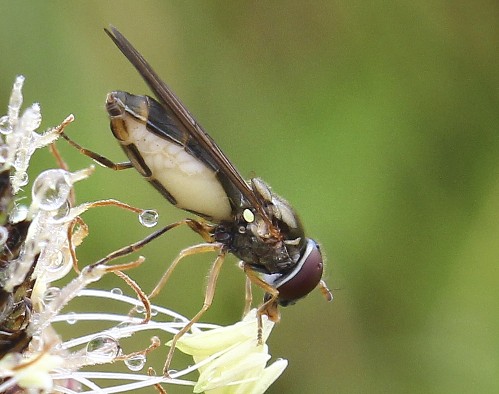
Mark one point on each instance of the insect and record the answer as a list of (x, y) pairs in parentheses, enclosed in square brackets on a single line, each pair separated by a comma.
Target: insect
[(167, 146)]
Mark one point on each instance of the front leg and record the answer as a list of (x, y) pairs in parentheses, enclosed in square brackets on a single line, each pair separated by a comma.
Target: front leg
[(270, 305)]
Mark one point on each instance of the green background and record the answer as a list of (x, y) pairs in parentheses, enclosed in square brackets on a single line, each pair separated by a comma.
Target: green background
[(377, 120)]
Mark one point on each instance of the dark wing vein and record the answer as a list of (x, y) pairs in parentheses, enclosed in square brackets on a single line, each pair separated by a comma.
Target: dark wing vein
[(170, 100)]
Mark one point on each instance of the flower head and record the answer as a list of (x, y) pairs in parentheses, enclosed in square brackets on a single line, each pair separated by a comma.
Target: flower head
[(230, 358), (37, 250)]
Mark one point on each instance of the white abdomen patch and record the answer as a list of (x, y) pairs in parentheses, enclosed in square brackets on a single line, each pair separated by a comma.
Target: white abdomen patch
[(192, 183)]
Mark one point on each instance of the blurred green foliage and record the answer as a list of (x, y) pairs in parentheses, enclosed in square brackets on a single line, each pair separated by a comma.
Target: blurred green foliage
[(378, 120)]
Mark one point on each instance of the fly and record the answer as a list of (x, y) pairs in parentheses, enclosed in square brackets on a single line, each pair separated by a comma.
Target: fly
[(167, 146)]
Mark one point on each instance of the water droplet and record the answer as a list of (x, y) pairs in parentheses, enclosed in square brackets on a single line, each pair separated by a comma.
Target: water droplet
[(22, 156), (35, 320), (124, 324), (4, 153), (136, 363), (31, 118), (16, 98), (18, 214), (5, 126), (148, 218), (50, 295), (62, 211), (4, 235), (42, 242), (117, 291), (71, 318), (55, 261), (140, 309), (36, 343), (103, 348), (172, 372), (154, 312), (23, 179), (51, 189), (30, 248)]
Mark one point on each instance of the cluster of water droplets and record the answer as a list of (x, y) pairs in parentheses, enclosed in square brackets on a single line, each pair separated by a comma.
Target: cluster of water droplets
[(52, 216), (9, 121), (47, 240), (20, 139), (105, 348)]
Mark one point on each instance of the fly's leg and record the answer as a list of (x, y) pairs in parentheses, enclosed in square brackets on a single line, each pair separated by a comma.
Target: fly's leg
[(195, 249), (209, 293), (270, 306), (139, 292), (103, 161), (52, 147), (58, 157), (248, 297), (78, 229), (139, 244)]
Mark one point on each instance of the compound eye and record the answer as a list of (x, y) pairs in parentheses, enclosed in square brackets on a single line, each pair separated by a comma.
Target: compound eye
[(304, 278)]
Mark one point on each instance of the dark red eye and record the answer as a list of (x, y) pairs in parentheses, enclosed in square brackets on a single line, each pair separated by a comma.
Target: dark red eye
[(304, 278)]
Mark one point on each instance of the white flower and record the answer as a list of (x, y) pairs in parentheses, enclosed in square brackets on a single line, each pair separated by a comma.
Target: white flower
[(37, 249), (230, 358), (21, 140), (31, 372)]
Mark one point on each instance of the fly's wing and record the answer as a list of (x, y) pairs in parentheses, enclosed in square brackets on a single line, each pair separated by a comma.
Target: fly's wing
[(170, 101)]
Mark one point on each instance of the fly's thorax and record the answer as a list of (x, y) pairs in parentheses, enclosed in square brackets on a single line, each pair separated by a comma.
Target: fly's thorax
[(270, 244), (280, 211), (266, 247)]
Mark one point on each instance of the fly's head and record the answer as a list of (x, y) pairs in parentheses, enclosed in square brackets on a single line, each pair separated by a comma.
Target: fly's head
[(297, 264), (301, 280)]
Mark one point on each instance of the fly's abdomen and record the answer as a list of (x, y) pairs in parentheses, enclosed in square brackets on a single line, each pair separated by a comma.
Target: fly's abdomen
[(184, 179)]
